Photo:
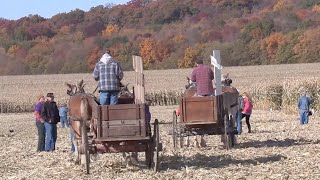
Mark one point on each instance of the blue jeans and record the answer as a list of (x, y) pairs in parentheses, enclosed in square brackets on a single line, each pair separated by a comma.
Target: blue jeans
[(71, 139), (239, 123), (304, 117), (108, 97), (41, 135), (64, 121), (51, 136)]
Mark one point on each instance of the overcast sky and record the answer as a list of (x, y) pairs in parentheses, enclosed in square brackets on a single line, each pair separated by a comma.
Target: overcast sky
[(15, 9)]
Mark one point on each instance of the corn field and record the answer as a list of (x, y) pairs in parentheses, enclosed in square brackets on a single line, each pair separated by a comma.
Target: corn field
[(274, 87)]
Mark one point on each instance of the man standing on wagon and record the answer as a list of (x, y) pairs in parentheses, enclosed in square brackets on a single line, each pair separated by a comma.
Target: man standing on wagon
[(202, 75), (108, 73)]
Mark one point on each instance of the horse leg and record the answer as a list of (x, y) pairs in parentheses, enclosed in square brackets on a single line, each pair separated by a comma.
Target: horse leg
[(76, 151), (134, 157), (196, 142), (187, 143), (203, 142)]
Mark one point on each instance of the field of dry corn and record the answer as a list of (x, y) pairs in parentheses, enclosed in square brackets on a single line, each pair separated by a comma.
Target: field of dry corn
[(269, 85), (278, 148)]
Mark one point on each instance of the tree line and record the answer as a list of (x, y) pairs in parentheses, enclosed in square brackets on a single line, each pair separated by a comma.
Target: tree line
[(166, 33)]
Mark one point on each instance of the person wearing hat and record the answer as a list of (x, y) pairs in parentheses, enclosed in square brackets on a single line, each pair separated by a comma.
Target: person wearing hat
[(304, 103), (40, 123), (108, 73), (50, 114)]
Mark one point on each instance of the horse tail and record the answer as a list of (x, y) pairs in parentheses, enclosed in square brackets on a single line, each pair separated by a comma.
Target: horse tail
[(84, 109)]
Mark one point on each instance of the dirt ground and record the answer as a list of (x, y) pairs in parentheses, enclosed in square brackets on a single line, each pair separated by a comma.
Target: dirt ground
[(278, 148)]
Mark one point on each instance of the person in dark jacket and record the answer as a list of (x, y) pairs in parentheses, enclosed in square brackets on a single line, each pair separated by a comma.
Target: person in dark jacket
[(50, 114)]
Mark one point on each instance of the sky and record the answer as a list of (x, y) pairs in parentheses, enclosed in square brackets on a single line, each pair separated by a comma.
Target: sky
[(15, 9)]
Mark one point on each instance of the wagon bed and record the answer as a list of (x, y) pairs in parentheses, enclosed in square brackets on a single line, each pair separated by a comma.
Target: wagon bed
[(202, 116)]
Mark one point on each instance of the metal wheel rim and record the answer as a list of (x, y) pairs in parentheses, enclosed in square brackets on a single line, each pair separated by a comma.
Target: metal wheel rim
[(174, 126), (156, 146), (226, 134)]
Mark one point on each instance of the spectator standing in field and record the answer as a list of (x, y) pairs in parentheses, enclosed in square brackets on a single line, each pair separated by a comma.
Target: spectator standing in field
[(247, 110), (50, 114), (304, 106), (203, 75), (40, 123), (239, 114), (63, 113), (108, 73)]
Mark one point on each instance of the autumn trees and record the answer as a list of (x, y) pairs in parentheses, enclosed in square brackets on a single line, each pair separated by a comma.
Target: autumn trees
[(167, 34)]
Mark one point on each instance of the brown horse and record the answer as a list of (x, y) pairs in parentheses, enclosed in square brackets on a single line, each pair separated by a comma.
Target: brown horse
[(83, 109)]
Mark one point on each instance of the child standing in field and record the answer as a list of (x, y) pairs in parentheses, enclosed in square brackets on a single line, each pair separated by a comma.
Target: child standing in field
[(247, 110), (63, 113)]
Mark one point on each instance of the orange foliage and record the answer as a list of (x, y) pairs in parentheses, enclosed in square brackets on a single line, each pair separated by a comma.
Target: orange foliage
[(281, 5), (302, 14), (179, 39), (257, 33), (162, 51), (308, 43), (65, 30), (188, 60), (271, 43), (93, 58), (148, 51), (316, 8), (110, 29), (12, 51)]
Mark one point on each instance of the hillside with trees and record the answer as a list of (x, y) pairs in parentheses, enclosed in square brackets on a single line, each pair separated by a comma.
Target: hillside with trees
[(166, 33)]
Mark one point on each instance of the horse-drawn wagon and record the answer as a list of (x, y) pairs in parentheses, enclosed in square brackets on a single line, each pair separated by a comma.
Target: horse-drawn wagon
[(114, 128), (209, 115), (203, 116)]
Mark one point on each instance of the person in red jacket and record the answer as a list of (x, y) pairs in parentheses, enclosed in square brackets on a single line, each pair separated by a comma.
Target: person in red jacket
[(247, 110)]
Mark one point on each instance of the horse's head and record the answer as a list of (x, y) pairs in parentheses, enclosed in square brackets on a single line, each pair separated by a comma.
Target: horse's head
[(125, 96), (72, 89), (191, 88), (124, 91), (81, 86), (190, 83), (226, 81)]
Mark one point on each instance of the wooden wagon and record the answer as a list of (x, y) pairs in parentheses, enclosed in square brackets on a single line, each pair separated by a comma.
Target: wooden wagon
[(120, 128), (209, 115), (203, 116)]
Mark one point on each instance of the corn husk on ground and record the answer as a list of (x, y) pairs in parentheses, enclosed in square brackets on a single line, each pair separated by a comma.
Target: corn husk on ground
[(278, 148)]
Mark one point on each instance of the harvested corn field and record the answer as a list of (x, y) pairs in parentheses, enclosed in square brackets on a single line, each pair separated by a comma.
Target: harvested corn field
[(272, 87), (278, 148)]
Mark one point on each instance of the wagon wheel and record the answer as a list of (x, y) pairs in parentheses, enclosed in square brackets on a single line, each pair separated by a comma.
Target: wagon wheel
[(174, 127), (85, 147), (227, 135), (232, 133), (149, 155), (156, 145)]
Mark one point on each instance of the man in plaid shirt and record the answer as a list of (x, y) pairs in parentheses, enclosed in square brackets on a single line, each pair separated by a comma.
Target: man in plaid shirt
[(203, 76), (108, 73)]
